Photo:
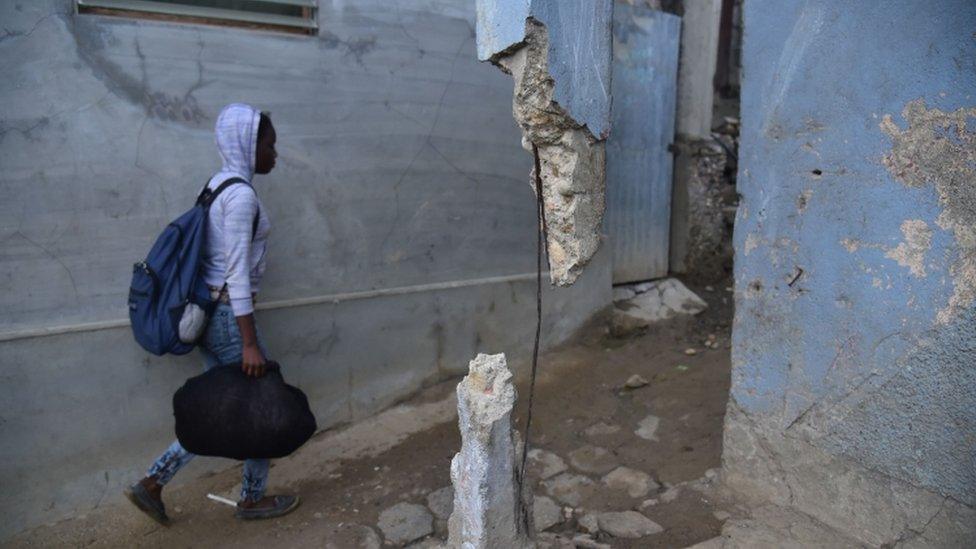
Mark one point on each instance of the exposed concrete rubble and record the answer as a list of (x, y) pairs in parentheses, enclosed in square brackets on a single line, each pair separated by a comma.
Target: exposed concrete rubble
[(653, 302), (573, 160), (486, 510)]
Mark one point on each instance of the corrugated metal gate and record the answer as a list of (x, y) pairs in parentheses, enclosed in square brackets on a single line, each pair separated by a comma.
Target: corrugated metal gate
[(639, 163)]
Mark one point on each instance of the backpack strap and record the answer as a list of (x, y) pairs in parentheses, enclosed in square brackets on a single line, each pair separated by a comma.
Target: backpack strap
[(207, 198)]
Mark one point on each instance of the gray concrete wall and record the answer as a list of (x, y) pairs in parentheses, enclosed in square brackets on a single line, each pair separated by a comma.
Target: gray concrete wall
[(403, 222), (853, 382)]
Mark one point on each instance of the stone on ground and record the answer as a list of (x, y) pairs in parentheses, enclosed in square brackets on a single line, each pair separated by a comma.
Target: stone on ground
[(671, 494), (543, 464), (546, 513), (406, 522), (621, 293), (568, 488), (429, 543), (586, 542), (647, 428), (648, 503), (592, 459), (663, 299), (601, 429), (717, 542), (441, 502), (352, 536), (636, 484), (635, 381), (589, 523), (642, 287), (548, 540), (628, 524)]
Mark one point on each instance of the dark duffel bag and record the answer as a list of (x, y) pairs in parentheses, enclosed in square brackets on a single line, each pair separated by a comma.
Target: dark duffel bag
[(225, 413)]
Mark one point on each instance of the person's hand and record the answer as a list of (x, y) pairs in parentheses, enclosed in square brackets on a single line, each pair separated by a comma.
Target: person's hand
[(253, 362)]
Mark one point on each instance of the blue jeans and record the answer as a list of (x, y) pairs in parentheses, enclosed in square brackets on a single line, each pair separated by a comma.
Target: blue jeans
[(222, 344)]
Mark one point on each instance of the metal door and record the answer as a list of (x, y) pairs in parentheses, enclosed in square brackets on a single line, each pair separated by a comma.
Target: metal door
[(639, 162)]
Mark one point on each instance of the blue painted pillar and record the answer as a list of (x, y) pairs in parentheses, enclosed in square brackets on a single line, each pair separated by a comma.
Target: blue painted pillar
[(854, 347)]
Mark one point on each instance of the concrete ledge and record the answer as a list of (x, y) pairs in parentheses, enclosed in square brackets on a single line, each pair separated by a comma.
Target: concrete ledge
[(761, 465)]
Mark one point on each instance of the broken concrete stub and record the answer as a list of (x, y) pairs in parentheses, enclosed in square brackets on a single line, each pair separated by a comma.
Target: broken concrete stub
[(571, 144), (487, 512)]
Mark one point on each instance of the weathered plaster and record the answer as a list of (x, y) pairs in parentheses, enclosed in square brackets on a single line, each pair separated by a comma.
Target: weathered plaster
[(938, 149), (911, 252)]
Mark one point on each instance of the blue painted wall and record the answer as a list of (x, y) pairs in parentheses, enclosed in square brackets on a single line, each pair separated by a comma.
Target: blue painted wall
[(855, 241), (579, 49)]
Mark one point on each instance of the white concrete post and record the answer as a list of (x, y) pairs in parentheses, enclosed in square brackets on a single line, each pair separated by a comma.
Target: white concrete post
[(486, 513), (696, 69)]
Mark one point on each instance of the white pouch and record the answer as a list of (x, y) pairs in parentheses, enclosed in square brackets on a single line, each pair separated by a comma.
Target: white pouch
[(192, 323)]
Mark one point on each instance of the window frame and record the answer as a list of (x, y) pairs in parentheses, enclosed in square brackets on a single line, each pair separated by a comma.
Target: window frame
[(188, 13)]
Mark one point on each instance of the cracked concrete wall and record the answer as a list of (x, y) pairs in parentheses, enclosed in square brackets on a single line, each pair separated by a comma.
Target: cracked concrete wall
[(559, 56), (853, 385), (399, 208)]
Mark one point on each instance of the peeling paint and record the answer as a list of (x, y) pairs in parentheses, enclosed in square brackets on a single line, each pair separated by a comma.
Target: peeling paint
[(752, 242), (850, 244), (938, 149), (911, 252)]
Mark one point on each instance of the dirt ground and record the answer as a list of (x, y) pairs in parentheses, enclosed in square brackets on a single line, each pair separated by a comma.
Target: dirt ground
[(579, 385)]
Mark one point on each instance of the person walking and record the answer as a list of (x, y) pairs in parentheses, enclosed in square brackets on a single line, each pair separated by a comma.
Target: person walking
[(233, 263)]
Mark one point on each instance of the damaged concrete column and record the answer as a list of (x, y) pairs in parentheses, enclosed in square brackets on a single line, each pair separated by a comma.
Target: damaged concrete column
[(559, 55), (486, 512)]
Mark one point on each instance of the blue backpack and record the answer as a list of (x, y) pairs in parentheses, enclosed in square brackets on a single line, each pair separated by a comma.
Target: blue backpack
[(170, 279)]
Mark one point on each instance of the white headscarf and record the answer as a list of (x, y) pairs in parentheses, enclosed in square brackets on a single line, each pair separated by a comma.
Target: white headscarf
[(237, 138)]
